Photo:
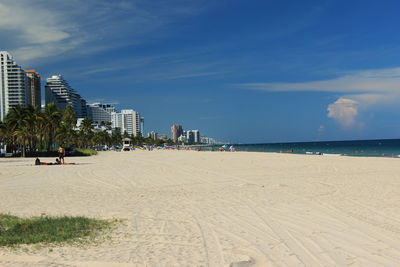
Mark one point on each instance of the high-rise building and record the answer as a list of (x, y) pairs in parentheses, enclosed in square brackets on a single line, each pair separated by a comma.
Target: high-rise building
[(127, 120), (142, 125), (13, 84), (153, 135), (190, 137), (196, 135), (84, 111), (176, 131), (34, 88), (58, 91), (100, 113)]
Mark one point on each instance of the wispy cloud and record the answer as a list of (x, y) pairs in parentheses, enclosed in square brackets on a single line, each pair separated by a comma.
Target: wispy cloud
[(41, 29), (370, 81), (361, 89), (194, 75), (161, 67), (103, 100)]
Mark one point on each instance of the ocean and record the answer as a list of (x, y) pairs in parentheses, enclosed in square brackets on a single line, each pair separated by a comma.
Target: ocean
[(363, 148)]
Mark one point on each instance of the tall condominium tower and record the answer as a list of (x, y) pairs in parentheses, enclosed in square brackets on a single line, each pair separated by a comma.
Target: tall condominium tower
[(34, 88), (84, 111), (190, 137), (58, 91), (13, 84), (127, 120), (153, 135), (193, 137), (100, 113), (176, 131), (196, 135)]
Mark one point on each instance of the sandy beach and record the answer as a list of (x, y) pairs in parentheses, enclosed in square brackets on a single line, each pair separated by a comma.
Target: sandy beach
[(186, 208)]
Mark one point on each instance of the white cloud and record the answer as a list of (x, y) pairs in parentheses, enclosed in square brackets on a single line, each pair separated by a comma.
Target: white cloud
[(31, 25), (370, 81), (344, 111), (42, 29), (361, 89)]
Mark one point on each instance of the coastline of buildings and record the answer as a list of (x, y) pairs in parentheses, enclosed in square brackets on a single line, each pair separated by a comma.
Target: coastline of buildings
[(23, 87), (189, 137)]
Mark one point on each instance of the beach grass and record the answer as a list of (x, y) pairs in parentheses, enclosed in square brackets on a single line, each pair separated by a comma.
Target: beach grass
[(85, 152), (17, 231)]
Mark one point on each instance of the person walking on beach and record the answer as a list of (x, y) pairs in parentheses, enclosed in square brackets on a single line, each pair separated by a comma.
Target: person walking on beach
[(61, 154)]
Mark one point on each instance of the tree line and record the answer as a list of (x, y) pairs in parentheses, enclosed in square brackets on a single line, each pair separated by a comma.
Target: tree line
[(30, 130)]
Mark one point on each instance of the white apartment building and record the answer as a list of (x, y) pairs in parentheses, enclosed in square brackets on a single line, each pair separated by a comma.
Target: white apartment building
[(153, 135), (100, 113), (197, 138), (13, 85), (58, 91), (193, 137), (127, 120)]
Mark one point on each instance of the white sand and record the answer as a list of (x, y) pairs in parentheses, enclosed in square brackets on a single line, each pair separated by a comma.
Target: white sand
[(186, 208)]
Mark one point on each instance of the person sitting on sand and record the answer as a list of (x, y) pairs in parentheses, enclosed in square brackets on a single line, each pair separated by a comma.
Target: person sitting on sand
[(61, 154), (38, 162)]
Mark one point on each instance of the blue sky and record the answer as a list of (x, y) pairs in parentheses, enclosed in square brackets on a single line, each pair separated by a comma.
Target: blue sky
[(240, 71)]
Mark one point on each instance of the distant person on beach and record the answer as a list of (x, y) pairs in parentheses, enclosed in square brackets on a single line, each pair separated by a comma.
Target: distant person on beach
[(61, 154), (38, 162), (231, 149)]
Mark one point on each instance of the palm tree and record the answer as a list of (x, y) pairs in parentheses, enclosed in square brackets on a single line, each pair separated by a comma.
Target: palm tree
[(22, 134), (33, 115), (2, 131), (16, 117), (116, 136), (16, 123), (51, 122), (30, 129), (86, 125), (3, 134), (66, 133), (86, 132), (69, 117)]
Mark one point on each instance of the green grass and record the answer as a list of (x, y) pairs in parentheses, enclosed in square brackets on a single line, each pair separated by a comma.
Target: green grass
[(84, 152), (16, 231)]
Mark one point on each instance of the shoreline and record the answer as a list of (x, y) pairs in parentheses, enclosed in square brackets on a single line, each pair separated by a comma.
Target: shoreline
[(294, 153)]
